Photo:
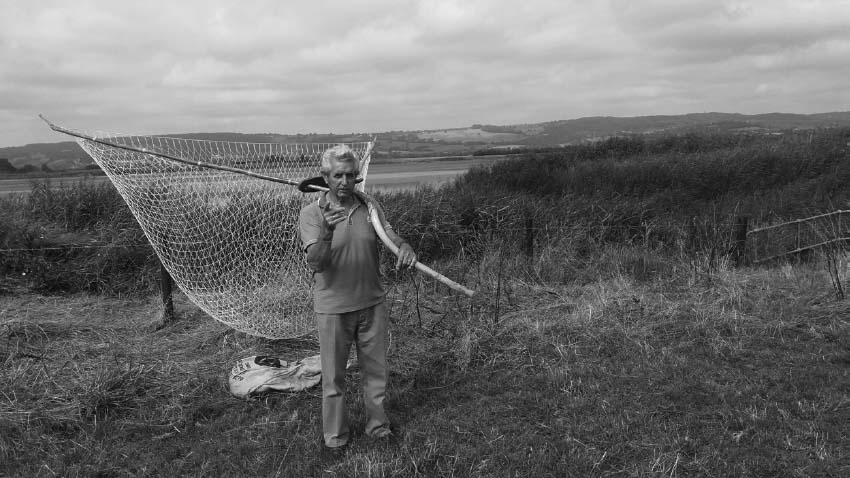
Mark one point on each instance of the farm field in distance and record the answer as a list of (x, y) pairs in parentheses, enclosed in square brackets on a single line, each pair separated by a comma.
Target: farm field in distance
[(616, 329)]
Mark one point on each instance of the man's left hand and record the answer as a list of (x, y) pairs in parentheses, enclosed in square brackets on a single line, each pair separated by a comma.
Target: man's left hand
[(406, 257)]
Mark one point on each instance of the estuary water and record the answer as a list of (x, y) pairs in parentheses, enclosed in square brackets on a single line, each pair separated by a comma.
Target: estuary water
[(394, 175)]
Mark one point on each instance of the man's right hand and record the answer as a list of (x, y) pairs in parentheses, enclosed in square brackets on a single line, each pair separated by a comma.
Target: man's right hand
[(333, 215)]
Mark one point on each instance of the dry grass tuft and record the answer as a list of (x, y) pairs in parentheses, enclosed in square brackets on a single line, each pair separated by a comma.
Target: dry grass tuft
[(110, 390)]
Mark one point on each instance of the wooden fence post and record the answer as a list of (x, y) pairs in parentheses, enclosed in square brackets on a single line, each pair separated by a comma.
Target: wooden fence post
[(740, 247), (165, 287)]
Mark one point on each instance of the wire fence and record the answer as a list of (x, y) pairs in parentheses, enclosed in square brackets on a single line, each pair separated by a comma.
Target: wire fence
[(500, 230), (794, 237), (762, 244), (74, 246)]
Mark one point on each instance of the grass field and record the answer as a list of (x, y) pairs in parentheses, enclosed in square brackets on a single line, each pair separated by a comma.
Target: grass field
[(621, 343), (737, 373)]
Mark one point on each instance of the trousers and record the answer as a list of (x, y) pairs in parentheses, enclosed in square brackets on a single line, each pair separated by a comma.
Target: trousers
[(367, 328)]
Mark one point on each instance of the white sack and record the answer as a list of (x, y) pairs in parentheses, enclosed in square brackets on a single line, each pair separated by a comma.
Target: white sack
[(261, 373)]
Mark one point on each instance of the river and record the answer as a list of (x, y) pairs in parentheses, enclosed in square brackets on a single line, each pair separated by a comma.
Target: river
[(383, 176)]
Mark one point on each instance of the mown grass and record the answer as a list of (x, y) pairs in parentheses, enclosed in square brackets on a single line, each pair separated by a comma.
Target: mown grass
[(626, 345)]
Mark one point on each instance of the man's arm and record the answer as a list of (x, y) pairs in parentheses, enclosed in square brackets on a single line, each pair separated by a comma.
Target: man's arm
[(317, 235), (319, 253)]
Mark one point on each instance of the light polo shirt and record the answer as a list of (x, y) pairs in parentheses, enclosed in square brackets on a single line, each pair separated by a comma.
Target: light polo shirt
[(351, 281)]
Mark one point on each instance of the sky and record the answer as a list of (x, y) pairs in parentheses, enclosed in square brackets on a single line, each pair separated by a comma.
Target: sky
[(369, 66)]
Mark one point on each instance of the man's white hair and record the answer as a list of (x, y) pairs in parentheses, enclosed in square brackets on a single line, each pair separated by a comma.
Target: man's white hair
[(339, 153)]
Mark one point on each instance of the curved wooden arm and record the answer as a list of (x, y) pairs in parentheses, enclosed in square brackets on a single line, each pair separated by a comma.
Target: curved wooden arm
[(379, 228)]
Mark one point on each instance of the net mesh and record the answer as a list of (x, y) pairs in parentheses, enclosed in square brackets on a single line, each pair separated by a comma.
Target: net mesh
[(229, 241)]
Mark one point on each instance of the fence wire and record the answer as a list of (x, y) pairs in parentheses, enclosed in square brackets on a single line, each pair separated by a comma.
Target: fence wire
[(763, 243), (793, 237)]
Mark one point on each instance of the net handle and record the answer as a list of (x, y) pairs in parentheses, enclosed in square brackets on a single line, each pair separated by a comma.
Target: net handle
[(178, 159), (379, 229), (376, 223)]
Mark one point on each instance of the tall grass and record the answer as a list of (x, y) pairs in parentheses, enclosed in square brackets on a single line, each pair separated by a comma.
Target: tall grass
[(678, 195), (77, 238)]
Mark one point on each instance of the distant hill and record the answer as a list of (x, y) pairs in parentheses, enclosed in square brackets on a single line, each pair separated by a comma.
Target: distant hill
[(599, 127), (67, 155)]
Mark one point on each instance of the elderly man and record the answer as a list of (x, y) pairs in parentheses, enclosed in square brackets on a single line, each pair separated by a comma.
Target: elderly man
[(348, 296)]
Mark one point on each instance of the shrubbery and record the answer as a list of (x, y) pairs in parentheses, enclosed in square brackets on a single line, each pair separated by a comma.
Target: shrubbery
[(79, 238), (677, 194)]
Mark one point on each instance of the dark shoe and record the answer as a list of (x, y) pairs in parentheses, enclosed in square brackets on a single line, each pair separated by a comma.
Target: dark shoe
[(334, 453)]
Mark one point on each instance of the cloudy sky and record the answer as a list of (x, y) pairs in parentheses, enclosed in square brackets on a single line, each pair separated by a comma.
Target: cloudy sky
[(378, 65)]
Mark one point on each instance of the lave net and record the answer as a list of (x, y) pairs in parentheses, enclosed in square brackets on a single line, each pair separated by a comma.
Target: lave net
[(229, 241)]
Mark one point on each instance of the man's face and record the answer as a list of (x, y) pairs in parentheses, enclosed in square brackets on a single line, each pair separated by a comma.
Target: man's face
[(341, 179)]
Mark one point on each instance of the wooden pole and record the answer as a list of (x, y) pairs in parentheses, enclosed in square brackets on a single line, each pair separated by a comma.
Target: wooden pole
[(382, 234), (420, 266), (797, 241), (165, 287), (178, 159)]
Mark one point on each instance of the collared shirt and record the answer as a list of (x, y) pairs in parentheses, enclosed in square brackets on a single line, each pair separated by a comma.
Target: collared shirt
[(351, 280)]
